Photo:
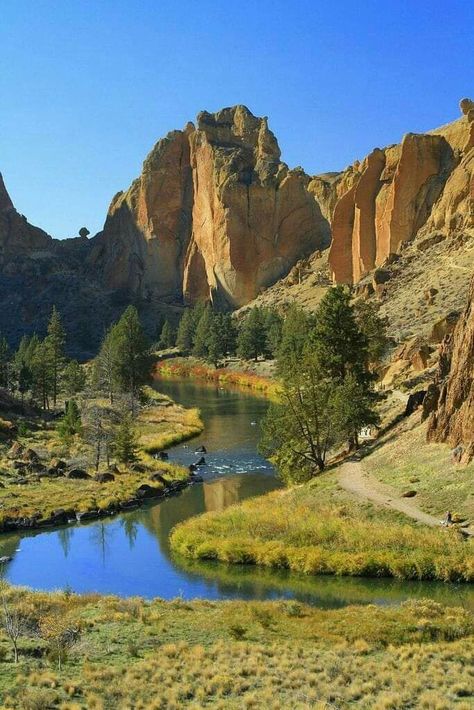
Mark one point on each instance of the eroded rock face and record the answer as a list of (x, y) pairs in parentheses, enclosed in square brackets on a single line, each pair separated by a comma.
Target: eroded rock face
[(17, 237), (413, 190), (452, 420), (215, 215)]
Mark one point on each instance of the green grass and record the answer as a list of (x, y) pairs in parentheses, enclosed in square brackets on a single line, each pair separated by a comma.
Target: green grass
[(170, 655), (315, 529), (409, 462), (160, 423)]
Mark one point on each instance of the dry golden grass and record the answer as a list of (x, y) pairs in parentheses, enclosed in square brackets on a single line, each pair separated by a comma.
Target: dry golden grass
[(160, 423), (312, 529), (409, 462), (139, 654)]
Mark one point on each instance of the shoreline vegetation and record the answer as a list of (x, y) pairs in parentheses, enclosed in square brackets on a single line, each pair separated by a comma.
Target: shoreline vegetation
[(234, 654), (318, 529), (46, 501), (187, 367)]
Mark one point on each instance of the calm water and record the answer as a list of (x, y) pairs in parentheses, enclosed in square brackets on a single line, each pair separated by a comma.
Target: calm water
[(129, 555)]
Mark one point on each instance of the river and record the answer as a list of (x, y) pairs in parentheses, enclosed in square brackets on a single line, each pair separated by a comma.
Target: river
[(129, 555)]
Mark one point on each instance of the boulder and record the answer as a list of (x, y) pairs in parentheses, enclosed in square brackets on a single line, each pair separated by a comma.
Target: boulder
[(444, 327), (106, 477), (16, 450), (158, 477), (145, 491), (78, 473)]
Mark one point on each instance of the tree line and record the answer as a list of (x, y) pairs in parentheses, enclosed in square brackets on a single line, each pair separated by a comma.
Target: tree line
[(212, 336)]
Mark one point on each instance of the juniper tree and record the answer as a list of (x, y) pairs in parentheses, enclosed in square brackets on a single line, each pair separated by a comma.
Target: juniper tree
[(186, 328), (167, 337), (251, 340)]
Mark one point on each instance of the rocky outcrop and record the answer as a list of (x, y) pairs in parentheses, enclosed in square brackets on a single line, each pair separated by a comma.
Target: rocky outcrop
[(452, 420), (18, 238), (416, 190), (215, 215)]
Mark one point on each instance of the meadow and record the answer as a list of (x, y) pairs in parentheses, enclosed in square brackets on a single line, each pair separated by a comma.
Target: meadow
[(318, 529), (198, 654), (159, 424)]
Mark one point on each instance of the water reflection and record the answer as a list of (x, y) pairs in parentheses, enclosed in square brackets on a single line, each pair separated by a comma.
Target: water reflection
[(130, 555)]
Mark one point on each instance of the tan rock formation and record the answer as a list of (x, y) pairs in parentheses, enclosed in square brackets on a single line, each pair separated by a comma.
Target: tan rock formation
[(148, 227), (453, 418), (215, 215), (17, 237), (412, 190)]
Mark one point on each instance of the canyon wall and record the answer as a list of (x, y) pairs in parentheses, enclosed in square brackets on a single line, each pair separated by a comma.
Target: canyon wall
[(452, 395), (214, 215), (417, 188)]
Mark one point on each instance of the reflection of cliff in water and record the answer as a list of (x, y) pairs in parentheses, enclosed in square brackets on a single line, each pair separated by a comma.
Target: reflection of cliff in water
[(216, 494)]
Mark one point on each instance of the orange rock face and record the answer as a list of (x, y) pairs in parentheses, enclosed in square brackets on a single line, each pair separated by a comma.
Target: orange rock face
[(453, 419), (422, 186), (214, 215)]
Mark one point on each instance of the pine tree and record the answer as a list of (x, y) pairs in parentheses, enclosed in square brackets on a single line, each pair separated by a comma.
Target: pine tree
[(125, 444), (337, 338), (228, 333), (273, 323), (74, 378), (294, 336), (167, 337), (132, 354), (203, 331), (70, 424), (5, 360), (215, 346), (56, 339), (186, 328), (106, 365), (42, 369), (374, 328), (251, 338)]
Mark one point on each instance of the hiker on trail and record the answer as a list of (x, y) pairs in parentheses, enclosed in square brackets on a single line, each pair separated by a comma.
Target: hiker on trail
[(448, 519)]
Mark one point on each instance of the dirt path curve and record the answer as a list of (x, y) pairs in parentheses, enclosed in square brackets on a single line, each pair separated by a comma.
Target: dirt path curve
[(354, 479)]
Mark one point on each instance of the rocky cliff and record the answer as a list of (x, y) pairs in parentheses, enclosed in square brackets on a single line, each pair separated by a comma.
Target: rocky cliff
[(452, 396), (214, 215), (421, 187)]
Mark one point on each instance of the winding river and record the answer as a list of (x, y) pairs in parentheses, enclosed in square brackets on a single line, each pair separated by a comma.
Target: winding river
[(129, 555)]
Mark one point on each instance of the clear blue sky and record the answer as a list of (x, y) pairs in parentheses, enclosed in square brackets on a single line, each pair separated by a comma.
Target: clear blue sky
[(88, 86)]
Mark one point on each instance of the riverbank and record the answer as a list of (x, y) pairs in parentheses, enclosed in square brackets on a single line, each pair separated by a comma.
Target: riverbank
[(45, 483), (198, 370), (320, 529), (236, 655)]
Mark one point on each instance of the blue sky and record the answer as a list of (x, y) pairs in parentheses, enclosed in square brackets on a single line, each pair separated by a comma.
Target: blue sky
[(88, 86)]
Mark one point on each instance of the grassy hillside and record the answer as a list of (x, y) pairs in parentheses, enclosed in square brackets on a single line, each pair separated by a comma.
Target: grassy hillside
[(134, 653)]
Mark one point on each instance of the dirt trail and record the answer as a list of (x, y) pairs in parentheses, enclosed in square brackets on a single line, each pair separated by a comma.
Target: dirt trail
[(354, 479)]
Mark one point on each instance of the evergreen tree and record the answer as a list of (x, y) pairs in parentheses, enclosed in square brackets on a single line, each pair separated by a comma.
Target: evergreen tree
[(70, 424), (186, 328), (299, 431), (228, 333), (337, 338), (251, 341), (273, 331), (374, 328), (215, 346), (5, 360), (125, 443), (74, 378), (294, 336), (167, 337), (203, 331), (42, 370), (132, 354), (106, 366), (56, 340)]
